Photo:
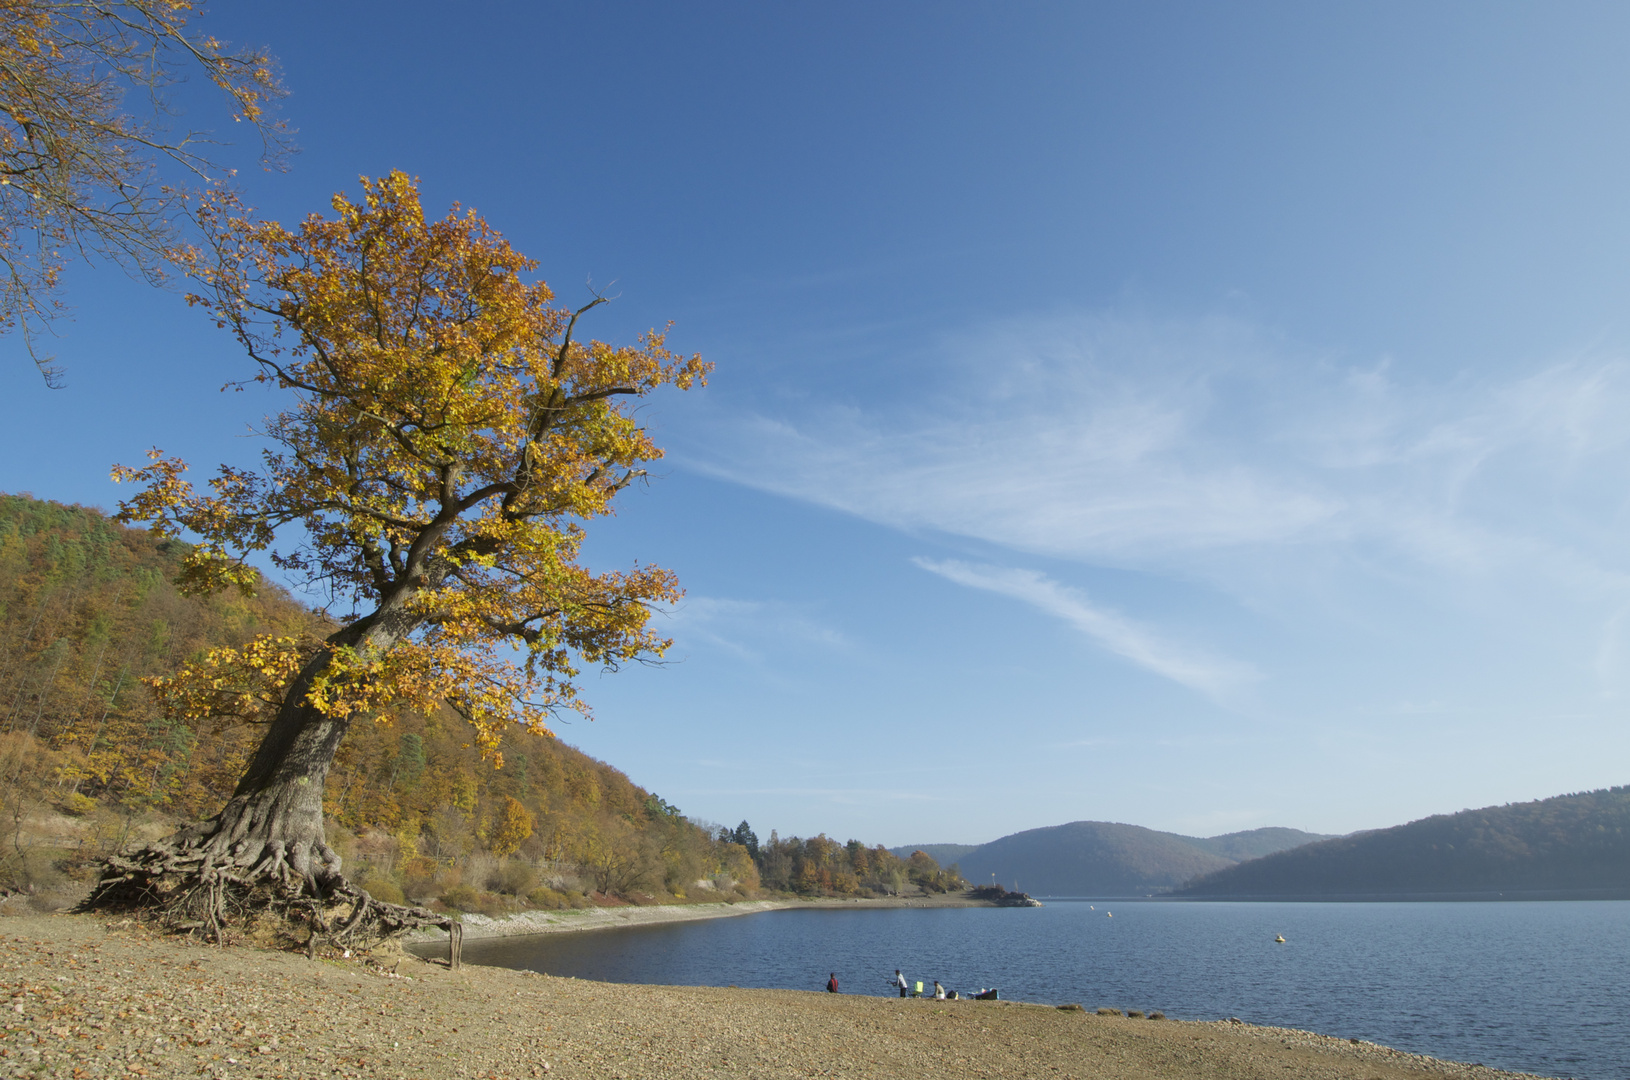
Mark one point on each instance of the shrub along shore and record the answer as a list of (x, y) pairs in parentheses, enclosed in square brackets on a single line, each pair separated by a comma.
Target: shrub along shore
[(96, 999)]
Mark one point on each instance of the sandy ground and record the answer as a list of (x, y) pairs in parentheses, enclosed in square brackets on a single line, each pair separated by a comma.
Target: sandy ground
[(89, 999), (613, 918)]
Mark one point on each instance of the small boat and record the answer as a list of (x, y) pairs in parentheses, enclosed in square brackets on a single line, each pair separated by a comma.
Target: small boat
[(1279, 938), (987, 995), (1109, 914)]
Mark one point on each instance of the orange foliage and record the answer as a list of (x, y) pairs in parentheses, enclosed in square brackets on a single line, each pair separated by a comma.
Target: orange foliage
[(449, 439)]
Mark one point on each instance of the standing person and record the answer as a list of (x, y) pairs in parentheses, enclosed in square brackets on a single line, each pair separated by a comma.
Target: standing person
[(900, 981), (939, 991), (832, 983)]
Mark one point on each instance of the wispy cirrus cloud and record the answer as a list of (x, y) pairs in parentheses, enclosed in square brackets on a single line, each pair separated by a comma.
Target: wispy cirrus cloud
[(745, 627), (1174, 446), (1217, 678), (1084, 440), (1213, 451)]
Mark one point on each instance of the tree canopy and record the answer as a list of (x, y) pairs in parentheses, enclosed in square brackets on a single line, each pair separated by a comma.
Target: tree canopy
[(449, 436)]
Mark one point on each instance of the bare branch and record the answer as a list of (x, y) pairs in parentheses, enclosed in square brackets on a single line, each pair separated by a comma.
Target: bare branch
[(80, 172)]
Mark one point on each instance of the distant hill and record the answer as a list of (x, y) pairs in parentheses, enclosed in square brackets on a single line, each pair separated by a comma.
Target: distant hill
[(1256, 843), (1100, 858), (944, 854), (1570, 845)]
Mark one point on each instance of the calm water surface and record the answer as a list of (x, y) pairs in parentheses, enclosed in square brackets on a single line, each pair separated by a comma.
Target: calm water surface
[(1539, 987)]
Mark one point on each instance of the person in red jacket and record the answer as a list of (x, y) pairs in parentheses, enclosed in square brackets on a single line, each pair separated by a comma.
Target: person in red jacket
[(832, 983)]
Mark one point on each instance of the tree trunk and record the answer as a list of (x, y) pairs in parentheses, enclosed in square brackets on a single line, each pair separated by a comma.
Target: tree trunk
[(272, 827), (273, 824), (266, 848)]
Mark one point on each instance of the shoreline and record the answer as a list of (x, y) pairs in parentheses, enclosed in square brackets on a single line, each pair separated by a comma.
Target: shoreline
[(581, 920), (98, 999)]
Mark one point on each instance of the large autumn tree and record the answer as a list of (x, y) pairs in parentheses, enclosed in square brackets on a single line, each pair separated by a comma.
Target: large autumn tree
[(447, 437), (90, 161)]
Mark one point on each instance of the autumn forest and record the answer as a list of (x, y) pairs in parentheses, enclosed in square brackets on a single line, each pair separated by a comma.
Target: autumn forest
[(93, 764)]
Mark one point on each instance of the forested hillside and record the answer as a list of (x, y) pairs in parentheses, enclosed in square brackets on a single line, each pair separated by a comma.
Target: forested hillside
[(944, 854), (87, 611), (1089, 858), (1101, 858), (1568, 845), (1255, 843)]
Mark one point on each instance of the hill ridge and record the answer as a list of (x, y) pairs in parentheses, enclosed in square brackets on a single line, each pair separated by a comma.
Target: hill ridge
[(1106, 858), (1565, 845)]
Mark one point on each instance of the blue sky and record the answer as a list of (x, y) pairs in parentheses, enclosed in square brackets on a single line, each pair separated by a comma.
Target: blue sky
[(1198, 416)]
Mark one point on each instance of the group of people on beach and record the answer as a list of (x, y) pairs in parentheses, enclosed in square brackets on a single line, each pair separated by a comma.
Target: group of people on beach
[(907, 991), (899, 981)]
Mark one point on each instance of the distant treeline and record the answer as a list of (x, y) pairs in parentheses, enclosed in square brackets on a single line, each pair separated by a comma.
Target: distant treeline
[(88, 762), (1568, 845), (822, 866)]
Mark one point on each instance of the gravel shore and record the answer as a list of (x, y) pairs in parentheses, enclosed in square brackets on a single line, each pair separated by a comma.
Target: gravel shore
[(616, 918), (91, 1000)]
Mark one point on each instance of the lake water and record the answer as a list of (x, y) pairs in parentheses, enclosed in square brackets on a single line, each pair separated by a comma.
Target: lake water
[(1538, 987)]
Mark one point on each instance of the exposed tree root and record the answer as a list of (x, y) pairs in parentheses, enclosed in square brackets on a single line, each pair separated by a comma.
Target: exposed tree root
[(232, 896)]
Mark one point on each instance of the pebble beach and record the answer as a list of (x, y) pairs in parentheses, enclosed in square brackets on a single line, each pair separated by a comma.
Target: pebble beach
[(87, 998), (478, 927)]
